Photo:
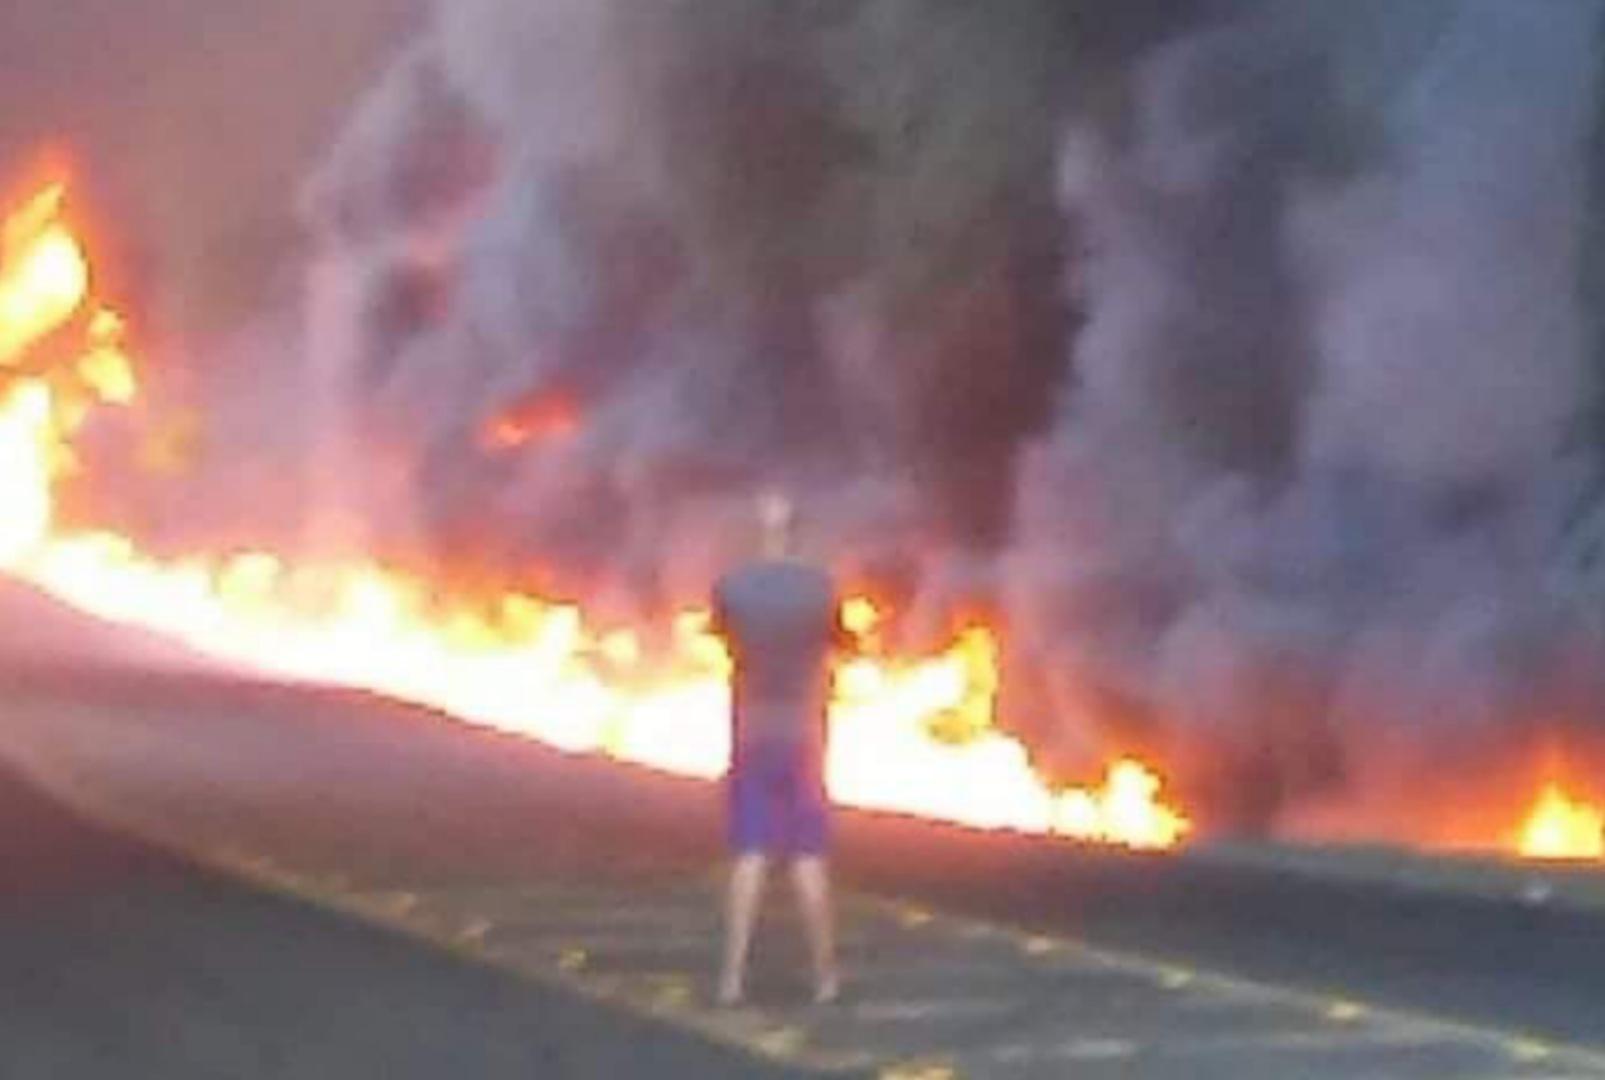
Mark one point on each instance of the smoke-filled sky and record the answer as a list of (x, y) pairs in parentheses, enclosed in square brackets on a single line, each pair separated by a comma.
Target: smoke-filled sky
[(1308, 498), (1231, 352), (190, 122), (189, 127)]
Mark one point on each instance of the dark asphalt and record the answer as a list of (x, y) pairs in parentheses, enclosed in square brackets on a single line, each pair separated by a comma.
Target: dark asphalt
[(1517, 967), (121, 961), (118, 942)]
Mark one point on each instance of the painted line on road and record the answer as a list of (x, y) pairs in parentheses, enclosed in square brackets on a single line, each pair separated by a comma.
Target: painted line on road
[(924, 1010), (666, 997), (919, 1070), (1522, 1047)]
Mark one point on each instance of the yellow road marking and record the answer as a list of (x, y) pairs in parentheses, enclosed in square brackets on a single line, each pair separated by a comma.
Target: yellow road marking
[(1333, 1007), (1176, 979), (1099, 1049), (926, 1009), (1040, 946), (751, 1031), (919, 1070), (780, 1042), (1529, 1049), (915, 916)]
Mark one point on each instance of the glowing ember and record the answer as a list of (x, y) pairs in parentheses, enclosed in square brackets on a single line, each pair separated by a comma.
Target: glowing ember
[(913, 735), (1561, 827), (536, 419)]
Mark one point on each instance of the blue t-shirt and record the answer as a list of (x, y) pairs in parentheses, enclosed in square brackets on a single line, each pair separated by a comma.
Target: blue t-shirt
[(780, 621)]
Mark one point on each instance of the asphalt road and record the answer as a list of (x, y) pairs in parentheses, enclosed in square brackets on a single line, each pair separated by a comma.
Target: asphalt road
[(123, 949), (1512, 966), (124, 961)]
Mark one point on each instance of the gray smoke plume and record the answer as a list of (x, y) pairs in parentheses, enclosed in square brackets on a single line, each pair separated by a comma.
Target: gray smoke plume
[(1305, 494), (549, 293)]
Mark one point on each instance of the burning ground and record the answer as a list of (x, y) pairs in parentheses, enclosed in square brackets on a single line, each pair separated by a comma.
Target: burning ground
[(1207, 383), (911, 734)]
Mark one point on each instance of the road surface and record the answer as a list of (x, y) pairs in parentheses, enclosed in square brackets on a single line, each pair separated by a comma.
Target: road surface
[(369, 884)]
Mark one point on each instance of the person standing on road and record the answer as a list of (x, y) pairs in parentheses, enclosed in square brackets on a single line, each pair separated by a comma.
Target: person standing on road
[(779, 617)]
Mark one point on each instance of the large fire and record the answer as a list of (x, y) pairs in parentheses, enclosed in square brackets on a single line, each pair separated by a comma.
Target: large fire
[(915, 735), (1563, 827)]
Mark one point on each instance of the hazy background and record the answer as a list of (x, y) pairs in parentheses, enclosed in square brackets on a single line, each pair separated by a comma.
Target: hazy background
[(194, 123), (1238, 356)]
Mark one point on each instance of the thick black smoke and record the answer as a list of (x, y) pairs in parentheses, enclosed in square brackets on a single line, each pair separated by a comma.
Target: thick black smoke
[(1305, 502), (1279, 477)]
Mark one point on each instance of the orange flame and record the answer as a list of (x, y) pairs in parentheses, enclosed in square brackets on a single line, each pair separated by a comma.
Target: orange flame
[(1562, 827), (44, 275), (911, 734), (536, 419)]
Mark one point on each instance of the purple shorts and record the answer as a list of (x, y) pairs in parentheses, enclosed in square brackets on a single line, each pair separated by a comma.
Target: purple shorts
[(778, 804)]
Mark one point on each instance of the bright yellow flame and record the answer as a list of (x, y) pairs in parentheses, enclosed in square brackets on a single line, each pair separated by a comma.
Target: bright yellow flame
[(860, 615), (25, 453), (44, 275), (910, 734), (106, 368), (1560, 827), (1126, 810)]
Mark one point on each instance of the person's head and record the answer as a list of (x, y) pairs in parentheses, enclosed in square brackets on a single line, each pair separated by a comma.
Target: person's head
[(777, 517)]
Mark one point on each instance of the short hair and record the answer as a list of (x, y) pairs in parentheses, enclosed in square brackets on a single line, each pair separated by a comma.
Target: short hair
[(776, 509)]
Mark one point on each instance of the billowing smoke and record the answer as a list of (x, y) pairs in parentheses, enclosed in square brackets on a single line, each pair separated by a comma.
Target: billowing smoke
[(521, 328), (586, 270), (1303, 508), (1251, 405)]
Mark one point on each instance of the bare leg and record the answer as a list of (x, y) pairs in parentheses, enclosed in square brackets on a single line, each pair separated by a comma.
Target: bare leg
[(811, 878), (741, 915)]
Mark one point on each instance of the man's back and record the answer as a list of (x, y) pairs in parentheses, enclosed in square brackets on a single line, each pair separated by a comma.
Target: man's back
[(780, 621), (779, 618)]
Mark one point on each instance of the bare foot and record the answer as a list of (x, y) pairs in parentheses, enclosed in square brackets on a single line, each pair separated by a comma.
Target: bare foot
[(730, 994), (828, 991)]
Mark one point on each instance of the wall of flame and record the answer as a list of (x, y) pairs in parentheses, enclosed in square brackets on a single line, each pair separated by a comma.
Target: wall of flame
[(909, 734)]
